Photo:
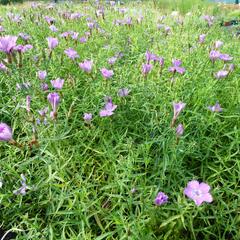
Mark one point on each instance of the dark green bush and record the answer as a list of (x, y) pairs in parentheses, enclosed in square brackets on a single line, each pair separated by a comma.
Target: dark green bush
[(5, 2)]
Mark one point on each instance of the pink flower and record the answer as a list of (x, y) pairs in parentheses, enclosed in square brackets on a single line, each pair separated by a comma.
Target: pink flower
[(214, 55), (42, 75), (108, 109), (86, 66), (221, 74), (202, 38), (7, 43), (218, 44), (5, 132), (3, 67), (179, 130), (146, 68), (87, 117), (161, 199), (215, 108), (71, 53), (54, 100), (198, 192), (106, 73), (52, 42), (58, 83), (176, 67)]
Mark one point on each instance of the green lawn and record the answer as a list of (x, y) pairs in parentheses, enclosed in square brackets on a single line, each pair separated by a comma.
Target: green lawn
[(99, 180)]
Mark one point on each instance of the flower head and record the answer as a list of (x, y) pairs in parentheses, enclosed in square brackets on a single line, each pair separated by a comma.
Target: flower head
[(179, 130), (198, 192), (52, 42), (54, 100), (3, 67), (58, 83), (177, 67), (44, 86), (201, 38), (106, 73), (177, 108), (86, 65), (53, 28), (161, 199), (71, 53), (221, 74), (42, 74), (225, 57), (146, 68), (215, 108), (112, 60), (108, 109), (22, 190), (218, 44), (7, 43), (5, 132), (87, 117), (123, 92), (214, 55)]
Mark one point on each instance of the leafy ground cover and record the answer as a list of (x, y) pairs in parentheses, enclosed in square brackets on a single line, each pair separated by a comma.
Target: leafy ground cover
[(111, 116)]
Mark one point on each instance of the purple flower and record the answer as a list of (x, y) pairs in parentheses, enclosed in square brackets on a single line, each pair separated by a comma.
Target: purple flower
[(215, 108), (177, 108), (3, 67), (123, 92), (53, 28), (225, 57), (209, 20), (161, 199), (65, 34), (106, 73), (44, 86), (108, 109), (91, 25), (198, 192), (42, 74), (214, 55), (43, 112), (176, 67), (22, 49), (7, 43), (58, 83), (23, 188), (112, 60), (146, 68), (74, 35), (179, 130), (87, 117), (83, 40), (71, 53), (202, 38), (50, 20), (112, 3), (221, 74), (24, 36), (218, 44), (54, 100), (28, 103), (86, 66), (52, 42), (5, 132)]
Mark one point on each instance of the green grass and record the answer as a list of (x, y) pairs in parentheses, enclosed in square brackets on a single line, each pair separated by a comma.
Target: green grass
[(81, 176)]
